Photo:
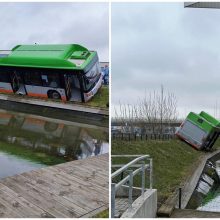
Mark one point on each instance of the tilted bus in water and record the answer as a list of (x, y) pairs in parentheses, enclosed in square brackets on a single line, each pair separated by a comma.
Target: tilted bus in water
[(66, 72), (199, 130)]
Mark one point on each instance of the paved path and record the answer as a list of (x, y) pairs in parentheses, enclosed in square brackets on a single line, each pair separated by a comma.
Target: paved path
[(54, 104), (121, 204), (189, 213), (74, 189)]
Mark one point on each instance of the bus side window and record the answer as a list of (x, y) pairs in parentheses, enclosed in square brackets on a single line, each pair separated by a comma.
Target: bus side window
[(33, 78), (53, 80), (4, 77), (44, 80)]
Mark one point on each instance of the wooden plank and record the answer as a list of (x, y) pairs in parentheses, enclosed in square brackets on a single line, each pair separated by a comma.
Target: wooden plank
[(88, 181), (95, 212), (16, 206), (87, 171), (167, 208), (103, 159), (68, 181), (72, 193), (42, 199), (75, 200), (74, 189), (91, 177), (18, 202), (5, 212)]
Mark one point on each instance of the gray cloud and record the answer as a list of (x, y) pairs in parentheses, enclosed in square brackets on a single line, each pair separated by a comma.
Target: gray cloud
[(165, 43), (82, 23)]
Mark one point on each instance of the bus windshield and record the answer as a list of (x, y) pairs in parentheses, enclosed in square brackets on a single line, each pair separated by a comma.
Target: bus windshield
[(91, 77)]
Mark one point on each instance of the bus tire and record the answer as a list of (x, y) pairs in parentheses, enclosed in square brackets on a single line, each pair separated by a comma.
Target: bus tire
[(54, 94)]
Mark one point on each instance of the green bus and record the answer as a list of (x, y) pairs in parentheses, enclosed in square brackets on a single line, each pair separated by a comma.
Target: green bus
[(199, 130), (67, 72)]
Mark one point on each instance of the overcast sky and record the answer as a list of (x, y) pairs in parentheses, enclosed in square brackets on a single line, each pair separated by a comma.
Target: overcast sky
[(56, 23), (165, 43)]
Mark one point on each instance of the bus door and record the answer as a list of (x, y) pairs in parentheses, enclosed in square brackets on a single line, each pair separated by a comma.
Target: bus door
[(67, 80), (17, 83)]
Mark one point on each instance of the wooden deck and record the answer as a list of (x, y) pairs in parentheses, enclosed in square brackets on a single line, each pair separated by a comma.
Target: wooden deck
[(74, 189)]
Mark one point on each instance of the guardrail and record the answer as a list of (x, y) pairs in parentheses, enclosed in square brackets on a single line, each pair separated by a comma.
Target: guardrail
[(139, 164)]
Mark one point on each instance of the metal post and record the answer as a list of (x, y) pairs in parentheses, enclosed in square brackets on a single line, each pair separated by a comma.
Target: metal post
[(180, 197), (130, 187), (143, 178), (113, 200), (151, 173), (122, 175)]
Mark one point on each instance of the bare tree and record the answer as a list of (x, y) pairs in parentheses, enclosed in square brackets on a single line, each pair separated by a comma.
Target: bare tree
[(167, 107), (153, 110)]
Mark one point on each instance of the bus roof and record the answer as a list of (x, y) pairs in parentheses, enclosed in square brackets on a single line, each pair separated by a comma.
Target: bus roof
[(59, 56)]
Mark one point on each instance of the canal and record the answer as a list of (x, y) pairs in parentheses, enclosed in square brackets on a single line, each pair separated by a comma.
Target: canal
[(30, 141), (212, 202), (206, 195)]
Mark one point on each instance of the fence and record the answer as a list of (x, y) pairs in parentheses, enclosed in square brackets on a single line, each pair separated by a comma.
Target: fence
[(138, 137), (139, 165)]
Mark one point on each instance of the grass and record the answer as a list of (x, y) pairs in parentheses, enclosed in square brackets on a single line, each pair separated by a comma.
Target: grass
[(209, 197), (103, 214), (172, 161), (30, 154), (101, 99)]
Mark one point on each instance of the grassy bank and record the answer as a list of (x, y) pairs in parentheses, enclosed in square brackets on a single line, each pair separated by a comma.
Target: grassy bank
[(172, 161), (30, 154), (101, 99)]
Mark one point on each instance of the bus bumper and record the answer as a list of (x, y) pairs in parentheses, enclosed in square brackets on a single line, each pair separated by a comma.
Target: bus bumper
[(90, 94)]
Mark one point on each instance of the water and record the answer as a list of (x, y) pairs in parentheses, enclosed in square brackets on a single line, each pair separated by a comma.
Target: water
[(206, 195), (13, 165), (213, 203), (30, 142)]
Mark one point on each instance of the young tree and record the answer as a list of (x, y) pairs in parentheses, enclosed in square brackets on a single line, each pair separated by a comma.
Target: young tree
[(154, 110)]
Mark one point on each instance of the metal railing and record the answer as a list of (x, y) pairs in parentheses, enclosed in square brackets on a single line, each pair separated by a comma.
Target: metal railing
[(138, 165)]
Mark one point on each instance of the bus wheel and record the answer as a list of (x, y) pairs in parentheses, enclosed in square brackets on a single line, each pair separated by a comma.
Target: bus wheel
[(54, 95)]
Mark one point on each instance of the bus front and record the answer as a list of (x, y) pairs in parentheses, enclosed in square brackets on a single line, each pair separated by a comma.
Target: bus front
[(91, 78)]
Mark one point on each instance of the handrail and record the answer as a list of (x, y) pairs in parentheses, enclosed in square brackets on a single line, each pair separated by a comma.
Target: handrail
[(122, 169), (137, 168), (134, 173)]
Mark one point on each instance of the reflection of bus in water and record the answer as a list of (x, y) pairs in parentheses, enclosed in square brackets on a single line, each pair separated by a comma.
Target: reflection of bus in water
[(71, 141), (66, 72)]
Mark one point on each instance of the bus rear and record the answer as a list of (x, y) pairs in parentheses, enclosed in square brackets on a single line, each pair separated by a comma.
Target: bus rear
[(199, 130)]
